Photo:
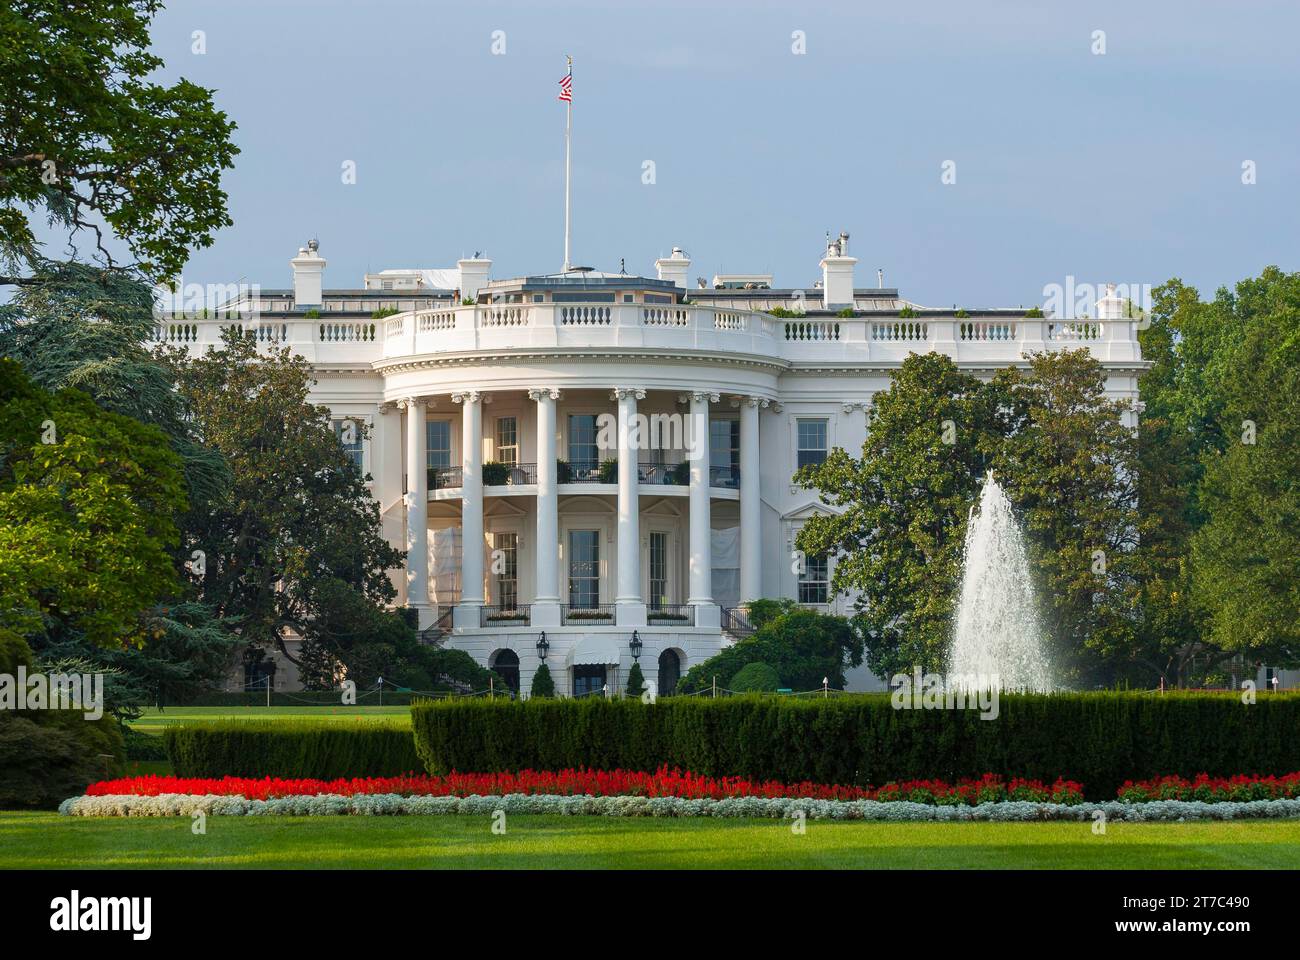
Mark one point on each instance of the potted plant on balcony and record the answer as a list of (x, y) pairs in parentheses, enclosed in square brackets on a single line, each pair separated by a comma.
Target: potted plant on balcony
[(680, 474), (495, 473), (563, 472), (608, 471)]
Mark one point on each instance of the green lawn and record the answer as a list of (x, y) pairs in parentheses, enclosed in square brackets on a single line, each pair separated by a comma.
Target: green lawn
[(33, 840), (152, 721)]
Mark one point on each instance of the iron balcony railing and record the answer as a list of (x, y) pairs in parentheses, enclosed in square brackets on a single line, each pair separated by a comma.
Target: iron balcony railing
[(502, 615), (735, 620), (666, 474), (578, 615), (444, 478), (509, 474), (669, 614)]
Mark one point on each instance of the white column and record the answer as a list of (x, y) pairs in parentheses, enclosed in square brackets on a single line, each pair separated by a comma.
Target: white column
[(630, 610), (417, 505), (751, 543), (701, 545), (546, 599), (471, 508)]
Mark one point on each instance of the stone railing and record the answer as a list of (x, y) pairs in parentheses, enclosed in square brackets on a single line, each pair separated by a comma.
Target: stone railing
[(987, 338)]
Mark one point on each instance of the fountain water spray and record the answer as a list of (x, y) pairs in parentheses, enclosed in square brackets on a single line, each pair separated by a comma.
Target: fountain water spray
[(998, 637)]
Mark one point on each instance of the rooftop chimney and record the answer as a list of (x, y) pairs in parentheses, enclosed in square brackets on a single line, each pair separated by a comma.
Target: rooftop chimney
[(837, 274), (674, 267), (473, 275), (308, 268), (1110, 307)]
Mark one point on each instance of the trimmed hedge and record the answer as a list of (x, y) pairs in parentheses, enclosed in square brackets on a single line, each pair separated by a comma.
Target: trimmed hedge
[(1098, 739), (289, 748)]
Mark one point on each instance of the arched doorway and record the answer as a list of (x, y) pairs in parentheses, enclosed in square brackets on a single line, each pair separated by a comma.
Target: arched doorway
[(670, 671), (506, 665)]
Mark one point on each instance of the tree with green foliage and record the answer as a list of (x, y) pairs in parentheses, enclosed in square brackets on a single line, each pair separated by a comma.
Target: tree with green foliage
[(294, 546), (1069, 464), (898, 514), (90, 329), (87, 506), (543, 685), (803, 646), (635, 685), (88, 139), (1245, 556)]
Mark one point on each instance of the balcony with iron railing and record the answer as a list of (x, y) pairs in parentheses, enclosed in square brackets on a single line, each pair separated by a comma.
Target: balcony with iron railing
[(500, 615), (670, 614), (601, 614)]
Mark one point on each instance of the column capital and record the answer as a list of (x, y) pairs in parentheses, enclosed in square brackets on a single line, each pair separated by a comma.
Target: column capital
[(537, 393), (850, 405), (466, 396), (760, 403), (705, 395), (621, 393), (410, 403)]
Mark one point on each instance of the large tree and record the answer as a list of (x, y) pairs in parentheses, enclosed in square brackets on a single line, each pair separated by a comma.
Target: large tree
[(902, 508), (294, 545), (1069, 464), (88, 141), (87, 506)]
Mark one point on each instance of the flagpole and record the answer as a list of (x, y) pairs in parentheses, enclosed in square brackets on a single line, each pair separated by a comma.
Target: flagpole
[(568, 140)]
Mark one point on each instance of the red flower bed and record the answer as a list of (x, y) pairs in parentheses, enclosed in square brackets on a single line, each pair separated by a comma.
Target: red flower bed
[(1240, 788), (662, 783)]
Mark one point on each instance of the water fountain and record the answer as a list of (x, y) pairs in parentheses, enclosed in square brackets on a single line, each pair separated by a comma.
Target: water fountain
[(997, 633)]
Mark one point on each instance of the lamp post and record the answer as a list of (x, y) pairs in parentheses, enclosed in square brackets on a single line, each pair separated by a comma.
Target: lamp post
[(543, 646), (635, 645)]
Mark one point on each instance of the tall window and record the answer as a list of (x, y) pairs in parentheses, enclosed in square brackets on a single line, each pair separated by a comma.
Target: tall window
[(811, 442), (505, 569), (438, 436), (724, 452), (658, 568), (584, 568), (584, 454), (508, 441), (349, 436), (814, 582)]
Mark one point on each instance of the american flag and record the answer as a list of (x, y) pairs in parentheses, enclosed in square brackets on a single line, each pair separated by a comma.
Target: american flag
[(566, 88)]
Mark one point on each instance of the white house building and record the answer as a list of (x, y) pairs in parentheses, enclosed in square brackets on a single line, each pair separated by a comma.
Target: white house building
[(605, 459)]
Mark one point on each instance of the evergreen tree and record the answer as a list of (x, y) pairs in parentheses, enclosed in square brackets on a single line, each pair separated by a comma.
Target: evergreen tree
[(543, 685), (900, 511), (294, 545), (635, 685)]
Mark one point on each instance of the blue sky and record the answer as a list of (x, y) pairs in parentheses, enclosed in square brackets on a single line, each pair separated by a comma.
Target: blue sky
[(1125, 166)]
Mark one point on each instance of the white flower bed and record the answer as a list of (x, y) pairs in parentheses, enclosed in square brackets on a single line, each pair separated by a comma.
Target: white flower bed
[(390, 804)]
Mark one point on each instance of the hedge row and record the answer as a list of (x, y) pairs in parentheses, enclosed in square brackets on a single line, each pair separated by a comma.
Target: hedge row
[(1098, 739), (291, 748), (299, 698)]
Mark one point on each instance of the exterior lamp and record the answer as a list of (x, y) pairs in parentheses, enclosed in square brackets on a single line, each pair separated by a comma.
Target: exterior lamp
[(636, 646), (543, 646)]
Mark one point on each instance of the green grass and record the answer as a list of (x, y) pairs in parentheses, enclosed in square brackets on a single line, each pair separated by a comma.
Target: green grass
[(153, 721), (36, 840)]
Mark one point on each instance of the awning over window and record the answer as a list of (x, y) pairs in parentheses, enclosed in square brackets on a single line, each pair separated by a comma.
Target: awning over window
[(593, 650)]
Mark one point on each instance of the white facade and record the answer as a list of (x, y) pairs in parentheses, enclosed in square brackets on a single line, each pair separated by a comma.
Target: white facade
[(487, 425)]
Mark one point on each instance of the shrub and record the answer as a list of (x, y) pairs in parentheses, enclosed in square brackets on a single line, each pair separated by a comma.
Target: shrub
[(563, 472), (608, 471), (47, 756), (803, 646), (495, 473), (288, 748), (635, 685), (543, 685), (757, 678), (1099, 739)]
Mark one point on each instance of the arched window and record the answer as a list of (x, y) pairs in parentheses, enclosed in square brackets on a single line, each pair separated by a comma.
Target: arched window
[(506, 665), (670, 671)]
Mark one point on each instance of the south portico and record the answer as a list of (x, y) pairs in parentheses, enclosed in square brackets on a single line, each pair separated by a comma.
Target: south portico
[(619, 489)]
